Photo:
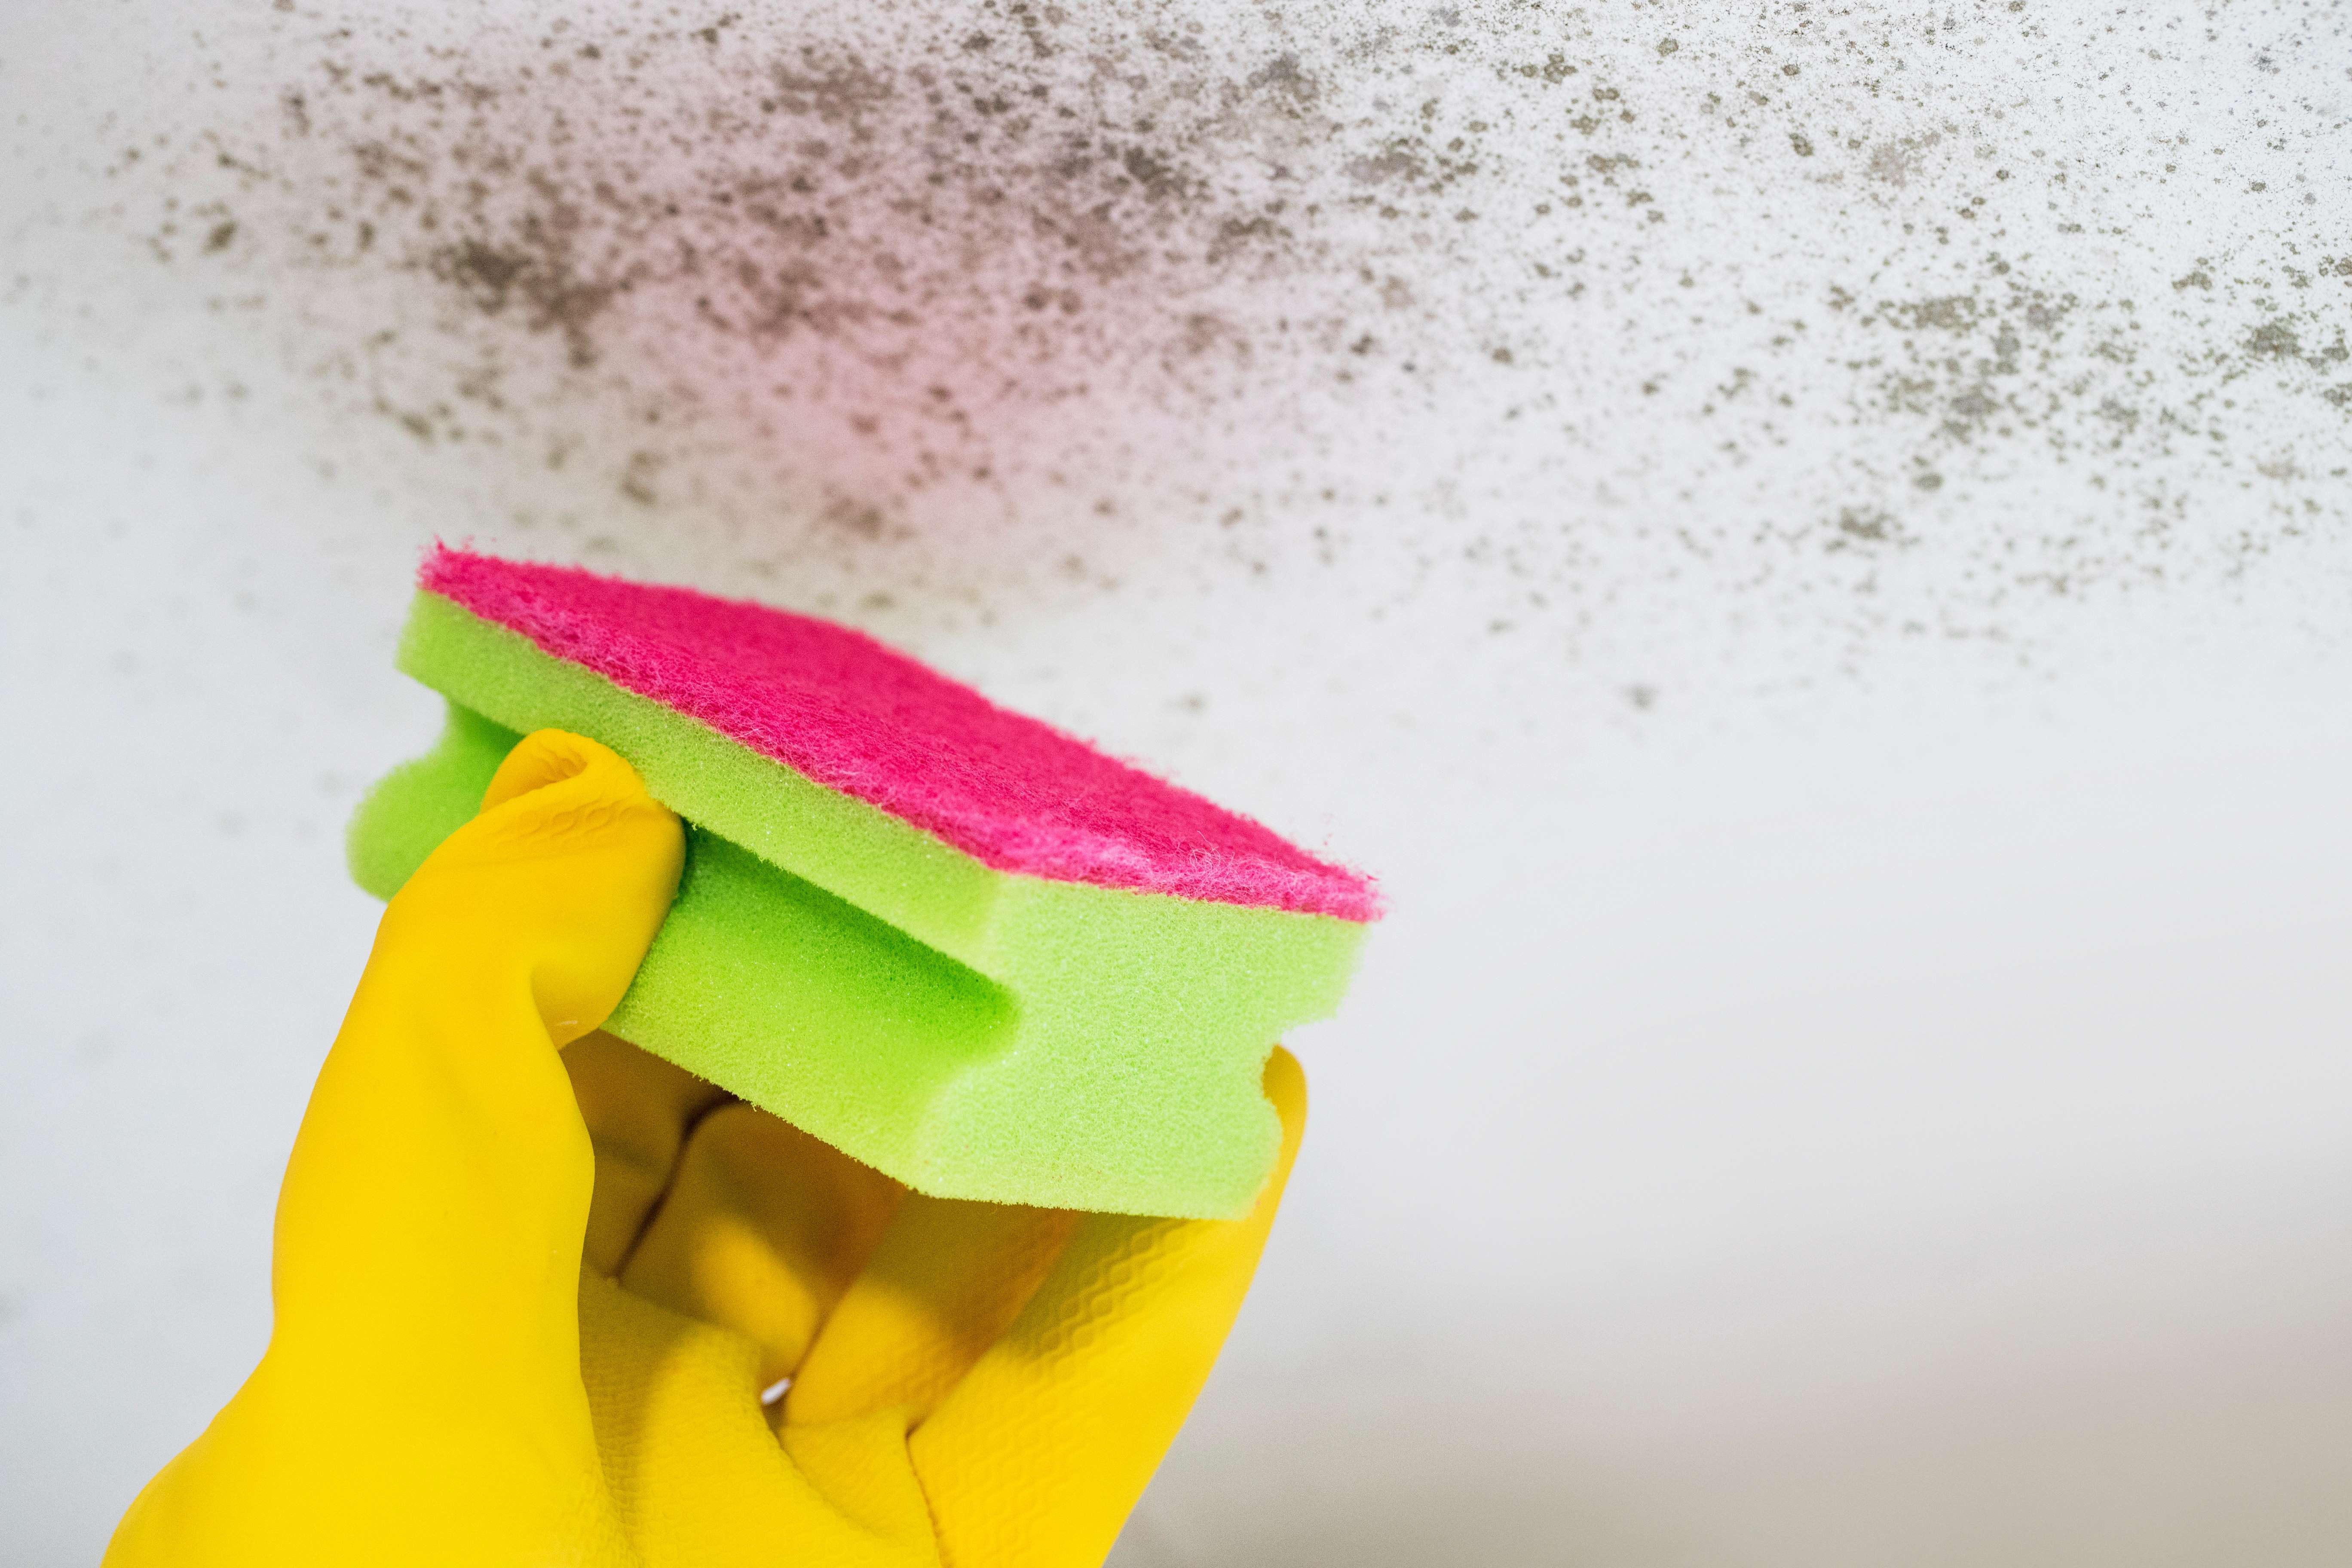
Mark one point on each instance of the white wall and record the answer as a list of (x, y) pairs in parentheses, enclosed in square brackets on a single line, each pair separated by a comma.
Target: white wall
[(1844, 694)]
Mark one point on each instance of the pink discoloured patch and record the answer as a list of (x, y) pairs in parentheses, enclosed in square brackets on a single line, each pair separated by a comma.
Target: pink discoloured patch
[(852, 715)]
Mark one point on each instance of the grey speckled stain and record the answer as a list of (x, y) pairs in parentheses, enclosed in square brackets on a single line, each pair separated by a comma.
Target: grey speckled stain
[(1882, 321)]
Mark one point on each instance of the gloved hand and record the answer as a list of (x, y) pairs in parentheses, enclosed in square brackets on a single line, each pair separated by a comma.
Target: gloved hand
[(526, 1315)]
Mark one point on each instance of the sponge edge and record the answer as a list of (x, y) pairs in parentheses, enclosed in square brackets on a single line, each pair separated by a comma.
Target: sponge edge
[(974, 1032), (412, 808)]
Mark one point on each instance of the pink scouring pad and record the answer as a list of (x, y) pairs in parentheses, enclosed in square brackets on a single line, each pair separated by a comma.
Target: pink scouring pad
[(961, 945)]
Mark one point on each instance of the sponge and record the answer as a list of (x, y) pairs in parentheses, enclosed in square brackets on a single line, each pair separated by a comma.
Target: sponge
[(956, 943)]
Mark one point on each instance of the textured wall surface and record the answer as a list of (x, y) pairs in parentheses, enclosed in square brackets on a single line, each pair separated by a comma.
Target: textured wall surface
[(1807, 543)]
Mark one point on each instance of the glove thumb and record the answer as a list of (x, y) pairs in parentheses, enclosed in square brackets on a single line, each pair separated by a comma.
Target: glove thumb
[(424, 1364)]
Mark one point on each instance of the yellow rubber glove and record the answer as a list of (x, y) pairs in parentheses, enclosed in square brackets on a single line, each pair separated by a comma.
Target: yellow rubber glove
[(527, 1303)]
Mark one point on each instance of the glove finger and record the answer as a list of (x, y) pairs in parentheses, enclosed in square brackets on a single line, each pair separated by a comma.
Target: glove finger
[(949, 1278), (762, 1230), (638, 1109), (1040, 1453), (696, 1476)]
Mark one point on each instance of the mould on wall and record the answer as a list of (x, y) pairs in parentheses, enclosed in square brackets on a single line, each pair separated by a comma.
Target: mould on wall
[(1825, 309)]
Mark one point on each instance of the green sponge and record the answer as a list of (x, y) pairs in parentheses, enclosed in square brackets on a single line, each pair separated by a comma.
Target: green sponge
[(960, 946)]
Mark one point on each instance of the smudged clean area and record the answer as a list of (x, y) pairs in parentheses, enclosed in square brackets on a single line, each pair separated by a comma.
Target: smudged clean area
[(1807, 544)]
